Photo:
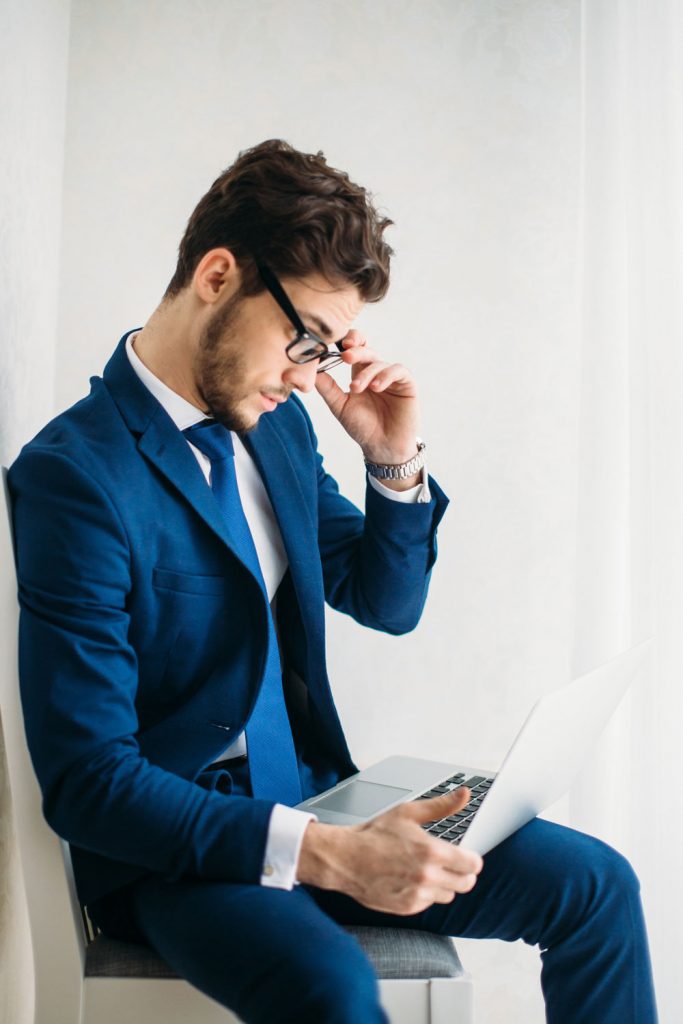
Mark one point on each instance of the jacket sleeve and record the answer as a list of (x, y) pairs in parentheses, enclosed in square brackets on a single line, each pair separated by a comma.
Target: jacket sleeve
[(78, 674), (377, 566)]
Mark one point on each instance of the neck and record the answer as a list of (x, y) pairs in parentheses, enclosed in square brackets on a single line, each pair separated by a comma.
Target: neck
[(167, 345)]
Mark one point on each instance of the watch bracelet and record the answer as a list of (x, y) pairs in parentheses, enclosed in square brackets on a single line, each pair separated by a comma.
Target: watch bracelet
[(400, 471)]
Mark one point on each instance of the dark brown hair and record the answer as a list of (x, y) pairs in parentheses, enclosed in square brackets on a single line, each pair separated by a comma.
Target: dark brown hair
[(294, 213)]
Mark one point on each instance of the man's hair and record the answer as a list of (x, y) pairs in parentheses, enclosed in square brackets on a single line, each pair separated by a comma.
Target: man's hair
[(293, 212)]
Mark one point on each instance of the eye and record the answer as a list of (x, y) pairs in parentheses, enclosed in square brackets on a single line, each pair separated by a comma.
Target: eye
[(308, 348)]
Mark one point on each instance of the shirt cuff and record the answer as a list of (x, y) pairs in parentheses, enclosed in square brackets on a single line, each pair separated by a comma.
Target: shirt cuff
[(420, 493), (285, 836)]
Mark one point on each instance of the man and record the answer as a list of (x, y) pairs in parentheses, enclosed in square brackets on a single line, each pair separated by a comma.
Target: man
[(177, 536)]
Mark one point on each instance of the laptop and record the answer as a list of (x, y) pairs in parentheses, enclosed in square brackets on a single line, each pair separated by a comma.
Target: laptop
[(539, 768)]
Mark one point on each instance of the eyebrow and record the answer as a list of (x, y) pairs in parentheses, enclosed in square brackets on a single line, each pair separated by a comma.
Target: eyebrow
[(325, 331)]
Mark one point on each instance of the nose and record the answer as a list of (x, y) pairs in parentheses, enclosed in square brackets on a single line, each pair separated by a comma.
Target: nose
[(301, 376)]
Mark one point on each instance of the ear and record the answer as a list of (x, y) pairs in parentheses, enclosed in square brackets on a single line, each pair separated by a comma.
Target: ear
[(216, 273)]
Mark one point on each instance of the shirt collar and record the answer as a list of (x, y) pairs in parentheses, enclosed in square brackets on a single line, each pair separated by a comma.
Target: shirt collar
[(182, 412)]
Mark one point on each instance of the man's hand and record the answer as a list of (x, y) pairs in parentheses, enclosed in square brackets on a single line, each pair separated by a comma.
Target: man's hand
[(379, 410), (390, 863)]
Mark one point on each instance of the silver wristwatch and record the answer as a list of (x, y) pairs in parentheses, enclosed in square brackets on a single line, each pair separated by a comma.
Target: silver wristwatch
[(401, 471)]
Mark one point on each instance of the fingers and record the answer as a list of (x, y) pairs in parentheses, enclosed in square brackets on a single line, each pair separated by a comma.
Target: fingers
[(381, 376), (354, 339), (462, 866), (438, 806), (434, 883), (357, 353), (378, 376), (369, 371), (401, 868), (455, 885), (464, 863)]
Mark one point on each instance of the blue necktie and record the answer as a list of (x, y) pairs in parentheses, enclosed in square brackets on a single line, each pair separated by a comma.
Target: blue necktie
[(271, 756)]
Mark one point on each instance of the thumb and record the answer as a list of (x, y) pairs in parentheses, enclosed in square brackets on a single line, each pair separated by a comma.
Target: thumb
[(438, 806), (331, 393)]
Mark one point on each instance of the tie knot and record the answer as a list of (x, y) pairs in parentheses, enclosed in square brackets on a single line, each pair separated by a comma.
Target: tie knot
[(213, 440)]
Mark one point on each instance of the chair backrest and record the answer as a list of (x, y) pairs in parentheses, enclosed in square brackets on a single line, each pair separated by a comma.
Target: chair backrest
[(57, 933)]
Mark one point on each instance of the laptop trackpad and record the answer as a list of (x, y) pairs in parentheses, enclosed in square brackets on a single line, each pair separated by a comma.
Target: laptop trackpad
[(361, 798)]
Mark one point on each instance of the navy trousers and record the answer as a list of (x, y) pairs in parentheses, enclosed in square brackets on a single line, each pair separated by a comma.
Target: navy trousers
[(274, 956)]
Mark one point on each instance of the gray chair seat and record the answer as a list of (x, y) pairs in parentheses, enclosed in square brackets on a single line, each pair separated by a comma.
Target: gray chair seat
[(393, 952)]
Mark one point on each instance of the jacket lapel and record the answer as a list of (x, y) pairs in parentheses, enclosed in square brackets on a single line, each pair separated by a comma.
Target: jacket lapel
[(166, 448), (281, 479), (160, 441)]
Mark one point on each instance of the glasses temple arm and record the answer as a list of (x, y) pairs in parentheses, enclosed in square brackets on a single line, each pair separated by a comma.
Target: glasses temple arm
[(280, 296)]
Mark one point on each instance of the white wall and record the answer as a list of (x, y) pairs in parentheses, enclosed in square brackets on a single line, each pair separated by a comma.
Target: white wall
[(33, 71), (462, 116)]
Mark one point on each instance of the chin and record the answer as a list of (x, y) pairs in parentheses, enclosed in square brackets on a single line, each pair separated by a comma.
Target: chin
[(250, 426), (241, 416)]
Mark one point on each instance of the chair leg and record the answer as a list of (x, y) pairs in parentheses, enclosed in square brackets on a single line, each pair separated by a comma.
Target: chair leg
[(435, 1001), (452, 1000), (405, 1000)]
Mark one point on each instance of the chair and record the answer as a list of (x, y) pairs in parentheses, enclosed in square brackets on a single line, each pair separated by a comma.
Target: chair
[(84, 978)]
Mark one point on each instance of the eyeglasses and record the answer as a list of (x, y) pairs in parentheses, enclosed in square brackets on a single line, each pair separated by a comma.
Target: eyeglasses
[(307, 346)]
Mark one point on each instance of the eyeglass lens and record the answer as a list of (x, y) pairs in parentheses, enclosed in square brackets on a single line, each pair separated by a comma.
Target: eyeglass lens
[(305, 350)]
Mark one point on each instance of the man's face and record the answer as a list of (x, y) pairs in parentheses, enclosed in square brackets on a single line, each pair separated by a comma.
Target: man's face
[(241, 367)]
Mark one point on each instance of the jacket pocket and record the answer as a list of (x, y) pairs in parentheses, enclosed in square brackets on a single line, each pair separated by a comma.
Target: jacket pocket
[(188, 583)]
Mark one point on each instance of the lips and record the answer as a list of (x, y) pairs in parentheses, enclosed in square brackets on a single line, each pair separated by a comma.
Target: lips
[(269, 403)]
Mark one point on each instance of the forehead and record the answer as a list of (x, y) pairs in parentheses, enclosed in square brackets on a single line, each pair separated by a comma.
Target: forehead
[(337, 306)]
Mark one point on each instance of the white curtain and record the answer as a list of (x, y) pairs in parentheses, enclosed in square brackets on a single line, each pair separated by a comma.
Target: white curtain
[(629, 581)]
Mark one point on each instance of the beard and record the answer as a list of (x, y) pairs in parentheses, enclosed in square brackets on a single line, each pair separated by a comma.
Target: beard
[(220, 370)]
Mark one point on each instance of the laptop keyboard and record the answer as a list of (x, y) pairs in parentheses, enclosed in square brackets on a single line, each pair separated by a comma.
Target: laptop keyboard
[(453, 828)]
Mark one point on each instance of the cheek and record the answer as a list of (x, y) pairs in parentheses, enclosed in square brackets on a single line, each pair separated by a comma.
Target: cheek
[(251, 359), (266, 370)]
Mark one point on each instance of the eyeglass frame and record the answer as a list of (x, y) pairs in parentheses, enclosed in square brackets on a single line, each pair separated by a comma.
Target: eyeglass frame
[(327, 358)]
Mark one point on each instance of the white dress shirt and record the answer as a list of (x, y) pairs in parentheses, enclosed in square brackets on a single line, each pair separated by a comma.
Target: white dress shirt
[(287, 825)]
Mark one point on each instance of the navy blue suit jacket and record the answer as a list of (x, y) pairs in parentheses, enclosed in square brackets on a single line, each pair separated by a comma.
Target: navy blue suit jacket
[(142, 634)]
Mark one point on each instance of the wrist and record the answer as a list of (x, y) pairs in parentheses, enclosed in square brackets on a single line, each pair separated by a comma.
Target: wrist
[(322, 855), (390, 456)]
